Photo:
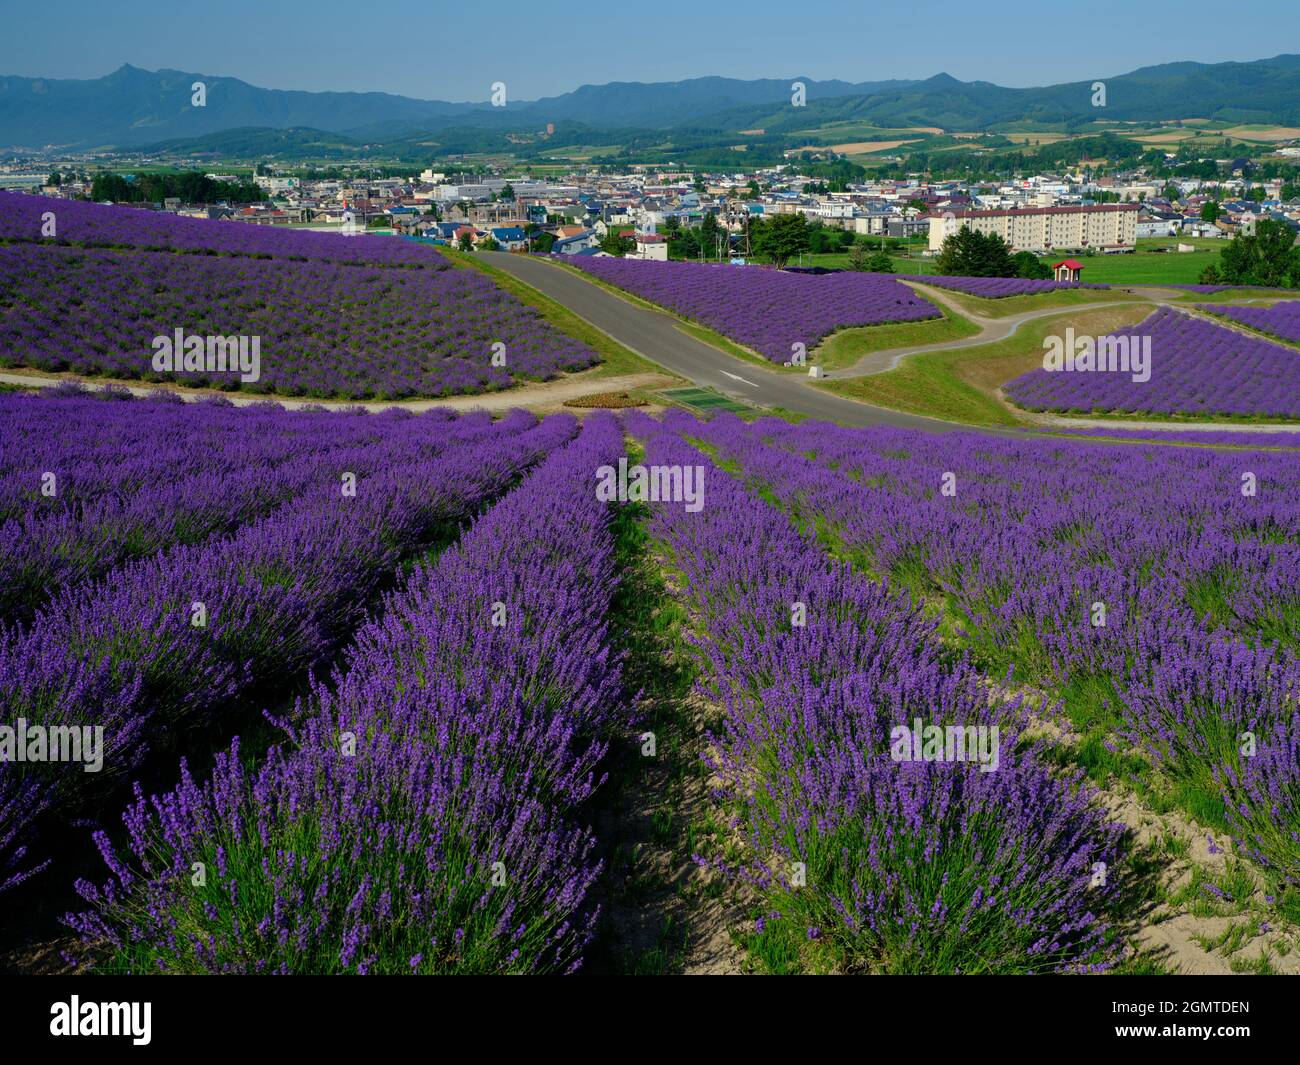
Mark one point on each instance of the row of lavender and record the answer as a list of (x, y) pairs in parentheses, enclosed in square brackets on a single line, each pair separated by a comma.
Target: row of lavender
[(1156, 592), (320, 328), (1194, 367), (86, 488), (422, 818), (173, 644), (770, 311), (1278, 319), (892, 864), (39, 218)]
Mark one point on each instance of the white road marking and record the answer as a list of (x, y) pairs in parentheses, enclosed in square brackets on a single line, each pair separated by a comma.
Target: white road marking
[(735, 378)]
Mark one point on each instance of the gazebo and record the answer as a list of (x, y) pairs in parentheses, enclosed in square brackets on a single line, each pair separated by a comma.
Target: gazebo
[(1068, 270)]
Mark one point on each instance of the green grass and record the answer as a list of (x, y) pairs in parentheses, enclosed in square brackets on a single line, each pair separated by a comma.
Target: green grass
[(962, 384), (1148, 268), (849, 345), (1009, 305), (1145, 266)]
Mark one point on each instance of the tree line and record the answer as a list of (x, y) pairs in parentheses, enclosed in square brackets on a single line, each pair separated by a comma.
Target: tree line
[(188, 187)]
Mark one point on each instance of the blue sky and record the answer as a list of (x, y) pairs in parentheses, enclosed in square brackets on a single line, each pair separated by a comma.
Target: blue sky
[(454, 51)]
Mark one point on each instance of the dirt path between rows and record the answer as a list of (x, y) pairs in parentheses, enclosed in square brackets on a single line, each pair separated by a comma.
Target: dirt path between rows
[(541, 396)]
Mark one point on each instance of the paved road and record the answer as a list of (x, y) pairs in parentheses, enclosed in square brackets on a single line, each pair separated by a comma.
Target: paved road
[(655, 336)]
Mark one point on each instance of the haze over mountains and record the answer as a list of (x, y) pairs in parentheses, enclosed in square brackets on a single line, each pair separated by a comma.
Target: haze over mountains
[(132, 108)]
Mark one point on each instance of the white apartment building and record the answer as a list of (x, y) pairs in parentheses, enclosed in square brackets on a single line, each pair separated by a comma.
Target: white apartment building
[(1106, 227)]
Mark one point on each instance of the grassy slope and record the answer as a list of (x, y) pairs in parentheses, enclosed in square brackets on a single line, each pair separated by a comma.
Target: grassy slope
[(686, 325), (847, 346), (615, 358)]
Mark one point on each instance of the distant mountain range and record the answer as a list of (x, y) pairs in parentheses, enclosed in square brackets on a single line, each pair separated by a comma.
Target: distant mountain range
[(133, 108)]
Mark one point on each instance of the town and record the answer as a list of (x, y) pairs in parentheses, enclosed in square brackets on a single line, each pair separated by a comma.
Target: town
[(648, 212)]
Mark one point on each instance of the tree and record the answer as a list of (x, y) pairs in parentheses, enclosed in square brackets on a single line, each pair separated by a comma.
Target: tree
[(858, 257), (489, 243), (508, 193), (465, 242), (1210, 211), (1172, 192), (617, 244), (1210, 276), (1268, 257), (780, 238), (967, 253), (879, 263), (708, 238), (1030, 266)]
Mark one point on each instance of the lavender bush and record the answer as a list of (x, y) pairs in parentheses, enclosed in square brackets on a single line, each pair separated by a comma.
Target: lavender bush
[(1282, 320), (446, 843), (907, 866), (102, 226), (278, 597)]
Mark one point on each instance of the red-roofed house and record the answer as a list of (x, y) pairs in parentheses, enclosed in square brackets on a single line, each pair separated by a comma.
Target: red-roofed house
[(1068, 270)]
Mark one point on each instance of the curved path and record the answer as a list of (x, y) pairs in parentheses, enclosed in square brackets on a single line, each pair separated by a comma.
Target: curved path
[(991, 330), (654, 335)]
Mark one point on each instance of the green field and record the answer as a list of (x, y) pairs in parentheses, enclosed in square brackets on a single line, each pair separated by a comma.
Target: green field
[(1146, 266)]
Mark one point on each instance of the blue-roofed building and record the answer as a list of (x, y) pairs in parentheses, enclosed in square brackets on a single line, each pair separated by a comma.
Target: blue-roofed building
[(576, 243), (511, 238)]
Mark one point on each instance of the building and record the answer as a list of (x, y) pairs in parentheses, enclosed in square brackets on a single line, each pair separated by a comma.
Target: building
[(510, 238), (650, 246), (1068, 270), (578, 242), (1104, 227)]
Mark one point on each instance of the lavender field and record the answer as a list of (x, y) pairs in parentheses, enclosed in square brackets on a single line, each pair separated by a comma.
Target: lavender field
[(1281, 319), (764, 309), (1196, 368), (392, 693), (329, 322), (26, 218)]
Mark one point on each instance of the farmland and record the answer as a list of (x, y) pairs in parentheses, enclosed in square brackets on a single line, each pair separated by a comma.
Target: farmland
[(422, 675), (333, 317), (1193, 368), (364, 691)]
